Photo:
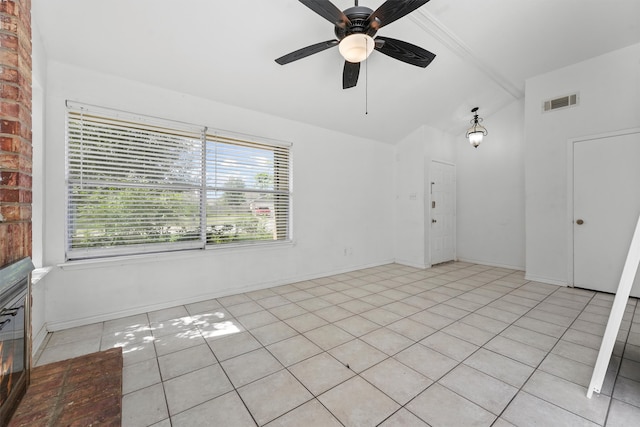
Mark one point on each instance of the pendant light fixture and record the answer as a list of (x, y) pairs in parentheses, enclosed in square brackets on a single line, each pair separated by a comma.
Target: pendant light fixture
[(477, 131)]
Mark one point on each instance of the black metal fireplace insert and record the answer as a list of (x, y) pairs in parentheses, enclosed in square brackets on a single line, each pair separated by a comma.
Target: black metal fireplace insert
[(15, 335)]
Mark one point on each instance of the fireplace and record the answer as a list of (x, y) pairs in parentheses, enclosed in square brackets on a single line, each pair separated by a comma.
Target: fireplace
[(15, 335)]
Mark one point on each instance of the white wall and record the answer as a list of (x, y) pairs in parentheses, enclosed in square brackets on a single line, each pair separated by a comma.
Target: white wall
[(342, 203), (490, 193), (609, 87), (39, 76), (414, 154)]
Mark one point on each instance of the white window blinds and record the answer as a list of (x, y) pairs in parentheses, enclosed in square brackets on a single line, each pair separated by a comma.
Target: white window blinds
[(139, 185)]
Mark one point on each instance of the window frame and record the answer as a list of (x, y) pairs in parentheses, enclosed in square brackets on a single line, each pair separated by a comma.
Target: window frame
[(282, 221)]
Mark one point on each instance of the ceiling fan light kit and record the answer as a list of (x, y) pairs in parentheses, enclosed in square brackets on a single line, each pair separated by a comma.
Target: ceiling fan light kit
[(476, 132), (356, 47), (355, 28)]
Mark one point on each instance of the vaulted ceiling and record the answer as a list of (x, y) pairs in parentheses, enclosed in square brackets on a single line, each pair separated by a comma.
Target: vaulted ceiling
[(225, 51)]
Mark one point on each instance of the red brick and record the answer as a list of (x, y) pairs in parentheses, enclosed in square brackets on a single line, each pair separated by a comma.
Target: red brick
[(24, 180), (9, 109), (9, 196), (9, 41), (9, 161), (25, 196), (8, 75), (8, 7), (10, 126), (8, 91)]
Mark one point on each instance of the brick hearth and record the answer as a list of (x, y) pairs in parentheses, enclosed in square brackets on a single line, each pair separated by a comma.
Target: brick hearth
[(82, 391)]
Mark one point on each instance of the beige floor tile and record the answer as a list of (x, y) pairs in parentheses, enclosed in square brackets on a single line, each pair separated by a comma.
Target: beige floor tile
[(403, 418), (386, 340), (428, 362), (438, 406), (140, 375), (273, 332), (622, 414), (357, 403), (306, 322), (449, 345), (273, 396), (293, 350), (431, 320), (233, 345), (320, 373), (627, 391), (178, 341), (528, 410), (226, 410), (328, 336), (185, 361), (568, 395), (516, 350), (396, 380), (144, 407), (468, 333), (567, 369), (411, 329), (333, 313), (203, 306), (540, 326), (482, 389), (357, 325), (357, 355), (167, 313), (250, 366), (257, 319), (310, 414), (66, 351), (501, 367), (194, 388), (381, 316)]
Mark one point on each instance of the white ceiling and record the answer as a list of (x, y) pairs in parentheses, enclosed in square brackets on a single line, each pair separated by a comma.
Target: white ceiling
[(225, 51)]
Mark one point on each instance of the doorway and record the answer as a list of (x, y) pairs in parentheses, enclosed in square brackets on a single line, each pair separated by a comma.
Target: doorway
[(442, 212), (606, 205)]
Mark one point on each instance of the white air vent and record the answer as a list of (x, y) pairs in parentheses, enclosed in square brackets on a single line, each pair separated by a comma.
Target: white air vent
[(561, 102)]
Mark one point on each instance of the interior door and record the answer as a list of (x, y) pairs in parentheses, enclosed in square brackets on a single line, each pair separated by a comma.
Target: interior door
[(606, 200), (443, 212)]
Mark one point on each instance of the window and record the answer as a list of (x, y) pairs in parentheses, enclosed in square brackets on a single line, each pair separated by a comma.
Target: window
[(137, 185)]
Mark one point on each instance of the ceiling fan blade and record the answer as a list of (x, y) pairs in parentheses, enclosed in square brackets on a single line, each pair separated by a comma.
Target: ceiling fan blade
[(328, 11), (350, 74), (403, 51), (392, 10), (306, 51)]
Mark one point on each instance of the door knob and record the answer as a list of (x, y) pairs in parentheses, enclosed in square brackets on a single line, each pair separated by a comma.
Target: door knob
[(579, 222)]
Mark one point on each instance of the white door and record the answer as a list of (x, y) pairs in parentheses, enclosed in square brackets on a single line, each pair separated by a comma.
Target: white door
[(606, 201), (443, 212)]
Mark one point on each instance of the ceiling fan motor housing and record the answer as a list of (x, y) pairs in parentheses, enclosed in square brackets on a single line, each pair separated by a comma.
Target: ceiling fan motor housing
[(359, 17)]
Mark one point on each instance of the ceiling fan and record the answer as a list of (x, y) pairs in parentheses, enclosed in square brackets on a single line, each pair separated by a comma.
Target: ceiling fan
[(355, 28)]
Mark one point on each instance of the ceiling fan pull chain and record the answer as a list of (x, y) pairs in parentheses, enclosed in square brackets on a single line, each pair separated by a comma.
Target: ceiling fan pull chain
[(366, 84)]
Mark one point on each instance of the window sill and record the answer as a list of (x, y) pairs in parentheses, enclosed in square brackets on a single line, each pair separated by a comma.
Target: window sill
[(84, 264)]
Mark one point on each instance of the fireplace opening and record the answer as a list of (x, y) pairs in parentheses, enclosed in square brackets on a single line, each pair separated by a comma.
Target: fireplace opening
[(15, 335)]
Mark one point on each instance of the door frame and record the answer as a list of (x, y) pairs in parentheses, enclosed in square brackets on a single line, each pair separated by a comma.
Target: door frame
[(570, 188), (428, 208)]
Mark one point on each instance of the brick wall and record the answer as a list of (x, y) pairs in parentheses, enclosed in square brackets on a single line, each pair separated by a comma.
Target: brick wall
[(15, 130)]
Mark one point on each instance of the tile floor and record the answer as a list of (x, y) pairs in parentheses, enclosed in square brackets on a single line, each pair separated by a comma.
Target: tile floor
[(455, 345)]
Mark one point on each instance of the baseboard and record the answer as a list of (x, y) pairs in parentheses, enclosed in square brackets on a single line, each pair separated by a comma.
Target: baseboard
[(411, 263), (38, 339), (547, 280), (53, 326), (493, 264)]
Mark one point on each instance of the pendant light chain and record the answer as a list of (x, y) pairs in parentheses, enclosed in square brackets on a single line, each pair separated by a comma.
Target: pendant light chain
[(366, 85)]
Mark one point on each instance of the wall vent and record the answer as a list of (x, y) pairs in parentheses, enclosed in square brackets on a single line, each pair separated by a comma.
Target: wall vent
[(561, 102)]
